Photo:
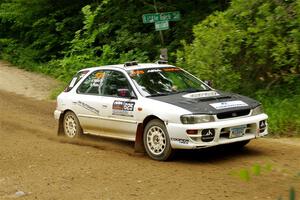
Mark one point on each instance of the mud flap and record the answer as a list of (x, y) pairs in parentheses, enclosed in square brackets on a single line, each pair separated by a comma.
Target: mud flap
[(139, 144), (60, 129)]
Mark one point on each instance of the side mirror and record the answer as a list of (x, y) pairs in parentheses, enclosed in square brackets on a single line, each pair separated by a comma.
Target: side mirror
[(209, 83), (124, 92)]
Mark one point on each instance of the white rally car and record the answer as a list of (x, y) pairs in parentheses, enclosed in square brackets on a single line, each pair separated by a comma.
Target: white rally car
[(159, 106)]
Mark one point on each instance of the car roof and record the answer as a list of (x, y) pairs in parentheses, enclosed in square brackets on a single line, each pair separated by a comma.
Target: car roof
[(133, 67)]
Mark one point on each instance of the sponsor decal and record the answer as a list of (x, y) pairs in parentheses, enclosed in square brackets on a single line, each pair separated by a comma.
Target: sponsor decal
[(153, 70), (173, 69), (182, 141), (123, 108), (87, 107), (136, 72), (228, 104), (207, 135), (262, 124), (99, 75), (96, 82), (201, 95)]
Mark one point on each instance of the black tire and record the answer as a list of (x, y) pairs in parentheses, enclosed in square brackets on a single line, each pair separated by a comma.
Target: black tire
[(156, 141), (71, 125)]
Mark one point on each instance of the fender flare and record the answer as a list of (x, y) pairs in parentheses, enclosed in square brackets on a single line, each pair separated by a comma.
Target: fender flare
[(139, 143)]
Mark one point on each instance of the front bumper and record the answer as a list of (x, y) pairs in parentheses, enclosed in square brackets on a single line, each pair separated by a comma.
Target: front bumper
[(181, 140)]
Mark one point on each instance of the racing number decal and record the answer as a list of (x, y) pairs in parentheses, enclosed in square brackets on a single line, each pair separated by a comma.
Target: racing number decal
[(123, 108), (123, 105), (129, 106)]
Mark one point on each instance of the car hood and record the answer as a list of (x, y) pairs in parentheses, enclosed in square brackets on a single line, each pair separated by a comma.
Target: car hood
[(211, 102)]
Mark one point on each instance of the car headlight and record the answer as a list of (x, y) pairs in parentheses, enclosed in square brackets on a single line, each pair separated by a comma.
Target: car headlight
[(195, 119), (258, 110)]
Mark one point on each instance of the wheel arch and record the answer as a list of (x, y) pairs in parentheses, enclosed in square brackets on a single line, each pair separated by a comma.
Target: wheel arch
[(139, 144), (60, 130)]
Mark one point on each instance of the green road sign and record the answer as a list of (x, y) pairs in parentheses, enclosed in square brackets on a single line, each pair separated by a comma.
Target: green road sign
[(158, 17), (170, 16), (161, 25), (150, 18)]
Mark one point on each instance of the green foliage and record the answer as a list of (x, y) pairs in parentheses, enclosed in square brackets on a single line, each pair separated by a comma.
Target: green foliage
[(255, 170), (64, 36), (84, 53), (255, 42), (282, 106), (244, 175), (292, 194), (40, 25), (56, 91)]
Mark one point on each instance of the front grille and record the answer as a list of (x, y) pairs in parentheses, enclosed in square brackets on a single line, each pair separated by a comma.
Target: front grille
[(232, 114), (225, 132)]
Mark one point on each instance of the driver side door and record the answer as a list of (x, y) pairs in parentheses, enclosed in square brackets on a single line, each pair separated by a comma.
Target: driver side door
[(118, 106)]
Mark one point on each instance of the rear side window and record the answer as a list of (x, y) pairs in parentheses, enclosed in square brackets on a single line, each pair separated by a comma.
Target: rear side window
[(92, 84), (106, 83), (76, 79)]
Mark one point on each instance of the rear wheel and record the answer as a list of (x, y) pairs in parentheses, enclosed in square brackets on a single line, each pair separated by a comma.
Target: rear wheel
[(156, 141), (71, 125)]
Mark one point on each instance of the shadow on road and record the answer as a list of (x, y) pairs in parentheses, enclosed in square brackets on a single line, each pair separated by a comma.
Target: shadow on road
[(211, 155), (216, 154)]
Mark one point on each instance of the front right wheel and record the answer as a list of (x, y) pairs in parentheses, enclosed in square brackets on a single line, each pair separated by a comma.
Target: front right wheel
[(156, 141)]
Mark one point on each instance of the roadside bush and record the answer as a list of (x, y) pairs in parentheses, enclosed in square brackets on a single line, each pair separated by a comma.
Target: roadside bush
[(84, 53), (283, 107), (255, 42)]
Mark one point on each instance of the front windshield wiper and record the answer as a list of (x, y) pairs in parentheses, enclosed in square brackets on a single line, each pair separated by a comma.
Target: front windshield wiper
[(177, 92), (164, 94), (159, 94), (194, 90)]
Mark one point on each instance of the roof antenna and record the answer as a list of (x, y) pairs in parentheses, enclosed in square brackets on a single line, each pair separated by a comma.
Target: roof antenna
[(163, 54), (163, 57)]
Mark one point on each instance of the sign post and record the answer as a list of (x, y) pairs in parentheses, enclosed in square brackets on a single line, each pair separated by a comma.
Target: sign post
[(161, 23), (161, 20), (164, 54)]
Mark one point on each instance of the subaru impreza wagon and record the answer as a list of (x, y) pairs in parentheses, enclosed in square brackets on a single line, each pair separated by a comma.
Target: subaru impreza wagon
[(158, 106)]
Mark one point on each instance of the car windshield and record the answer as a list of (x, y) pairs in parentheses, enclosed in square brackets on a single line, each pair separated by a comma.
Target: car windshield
[(165, 81)]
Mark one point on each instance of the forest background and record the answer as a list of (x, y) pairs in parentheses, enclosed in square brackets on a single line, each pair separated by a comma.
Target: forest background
[(247, 46)]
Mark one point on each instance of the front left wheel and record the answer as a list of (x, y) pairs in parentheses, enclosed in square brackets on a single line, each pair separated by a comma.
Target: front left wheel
[(71, 125), (156, 141)]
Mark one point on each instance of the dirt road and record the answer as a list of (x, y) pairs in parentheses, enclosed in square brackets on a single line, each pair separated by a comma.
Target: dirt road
[(25, 83), (36, 164)]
